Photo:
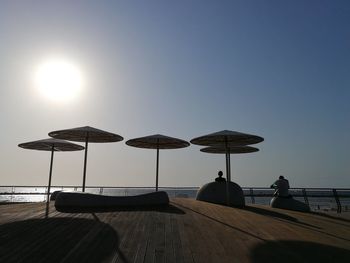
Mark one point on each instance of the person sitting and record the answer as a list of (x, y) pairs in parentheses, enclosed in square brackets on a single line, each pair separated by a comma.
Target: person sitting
[(282, 199), (220, 179), (282, 187)]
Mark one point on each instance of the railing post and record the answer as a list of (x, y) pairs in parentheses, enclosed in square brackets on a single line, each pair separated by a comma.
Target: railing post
[(337, 200), (101, 190), (305, 197), (12, 193), (252, 195)]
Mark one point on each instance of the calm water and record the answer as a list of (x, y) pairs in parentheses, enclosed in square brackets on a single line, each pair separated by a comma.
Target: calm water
[(38, 194)]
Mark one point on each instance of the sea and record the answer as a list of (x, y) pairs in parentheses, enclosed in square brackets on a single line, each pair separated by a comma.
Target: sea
[(317, 198)]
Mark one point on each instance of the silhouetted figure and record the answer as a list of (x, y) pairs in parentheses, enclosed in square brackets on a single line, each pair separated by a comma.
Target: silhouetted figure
[(220, 179), (282, 199), (281, 186)]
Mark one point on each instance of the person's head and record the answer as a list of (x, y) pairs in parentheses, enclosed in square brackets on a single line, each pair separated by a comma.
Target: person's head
[(220, 173), (281, 177)]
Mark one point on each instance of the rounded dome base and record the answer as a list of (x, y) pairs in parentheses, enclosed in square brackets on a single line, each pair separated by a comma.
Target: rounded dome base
[(289, 204), (215, 192)]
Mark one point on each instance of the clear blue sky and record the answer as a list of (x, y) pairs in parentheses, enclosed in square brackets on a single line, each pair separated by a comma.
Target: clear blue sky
[(278, 69)]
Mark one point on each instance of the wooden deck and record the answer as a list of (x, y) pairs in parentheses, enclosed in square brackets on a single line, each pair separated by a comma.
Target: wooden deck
[(188, 231)]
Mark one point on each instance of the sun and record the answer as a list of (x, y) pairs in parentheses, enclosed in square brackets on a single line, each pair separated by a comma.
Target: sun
[(58, 79)]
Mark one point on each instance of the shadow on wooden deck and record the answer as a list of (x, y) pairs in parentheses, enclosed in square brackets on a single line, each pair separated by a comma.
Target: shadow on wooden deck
[(325, 215), (277, 215), (58, 240), (298, 251)]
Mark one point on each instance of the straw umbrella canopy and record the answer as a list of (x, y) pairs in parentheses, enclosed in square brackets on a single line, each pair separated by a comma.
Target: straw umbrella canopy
[(86, 134), (231, 150), (53, 145), (157, 141), (227, 138)]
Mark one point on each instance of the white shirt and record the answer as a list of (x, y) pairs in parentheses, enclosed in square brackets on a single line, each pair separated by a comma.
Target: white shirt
[(282, 186)]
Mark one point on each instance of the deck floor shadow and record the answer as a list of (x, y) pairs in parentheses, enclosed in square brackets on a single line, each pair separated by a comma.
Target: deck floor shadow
[(57, 240), (290, 251)]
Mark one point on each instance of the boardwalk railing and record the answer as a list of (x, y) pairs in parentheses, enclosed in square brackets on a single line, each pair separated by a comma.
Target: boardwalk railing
[(336, 199)]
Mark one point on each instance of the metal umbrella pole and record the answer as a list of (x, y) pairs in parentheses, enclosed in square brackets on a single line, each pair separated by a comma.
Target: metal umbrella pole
[(228, 179), (49, 185), (85, 161), (157, 169), (229, 163)]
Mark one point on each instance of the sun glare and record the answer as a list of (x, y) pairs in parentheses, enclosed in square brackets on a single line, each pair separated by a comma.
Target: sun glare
[(58, 80)]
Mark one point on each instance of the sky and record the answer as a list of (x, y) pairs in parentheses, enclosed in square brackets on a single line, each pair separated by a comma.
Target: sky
[(277, 69)]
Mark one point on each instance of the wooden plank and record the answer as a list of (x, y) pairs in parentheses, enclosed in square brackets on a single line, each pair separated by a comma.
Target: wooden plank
[(130, 236), (143, 234), (150, 249), (186, 245), (159, 238), (170, 255)]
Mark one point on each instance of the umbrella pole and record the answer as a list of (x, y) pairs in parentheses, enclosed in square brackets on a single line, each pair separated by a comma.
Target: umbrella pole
[(49, 185), (228, 179), (85, 161), (229, 165), (157, 169)]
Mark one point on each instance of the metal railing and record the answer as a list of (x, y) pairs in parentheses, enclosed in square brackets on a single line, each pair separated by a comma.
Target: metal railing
[(337, 199), (313, 197)]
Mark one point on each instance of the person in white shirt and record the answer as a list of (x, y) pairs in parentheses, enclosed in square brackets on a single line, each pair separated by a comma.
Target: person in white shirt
[(281, 186)]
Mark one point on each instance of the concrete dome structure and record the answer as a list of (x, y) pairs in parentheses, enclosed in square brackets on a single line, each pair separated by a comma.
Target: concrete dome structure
[(289, 204), (215, 192)]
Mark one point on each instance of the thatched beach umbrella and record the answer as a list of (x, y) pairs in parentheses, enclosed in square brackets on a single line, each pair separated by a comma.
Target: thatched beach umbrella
[(51, 145), (157, 141), (86, 134), (227, 139)]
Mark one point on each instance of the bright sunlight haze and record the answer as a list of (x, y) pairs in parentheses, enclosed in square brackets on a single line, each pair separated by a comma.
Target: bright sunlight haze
[(58, 80)]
